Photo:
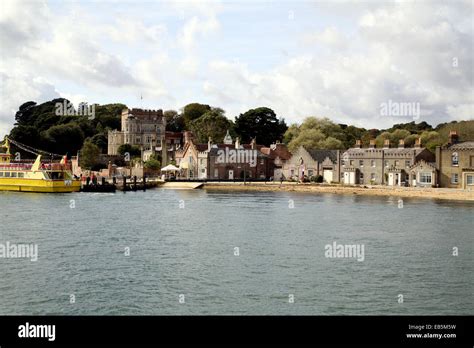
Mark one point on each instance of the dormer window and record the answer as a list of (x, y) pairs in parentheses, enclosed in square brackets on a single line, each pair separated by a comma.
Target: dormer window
[(455, 159)]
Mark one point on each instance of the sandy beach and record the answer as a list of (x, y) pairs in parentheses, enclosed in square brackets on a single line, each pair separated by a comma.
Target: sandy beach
[(415, 192)]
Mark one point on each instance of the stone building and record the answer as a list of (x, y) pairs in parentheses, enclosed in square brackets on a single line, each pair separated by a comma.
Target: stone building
[(382, 166), (455, 163), (313, 163), (142, 128)]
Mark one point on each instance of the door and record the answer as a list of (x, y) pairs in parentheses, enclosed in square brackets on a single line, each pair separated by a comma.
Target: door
[(231, 174), (327, 175)]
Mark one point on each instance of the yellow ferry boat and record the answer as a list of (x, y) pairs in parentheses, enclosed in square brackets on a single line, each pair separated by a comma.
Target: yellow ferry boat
[(35, 177)]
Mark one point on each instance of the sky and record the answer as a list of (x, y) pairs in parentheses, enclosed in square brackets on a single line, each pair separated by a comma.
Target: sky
[(337, 59)]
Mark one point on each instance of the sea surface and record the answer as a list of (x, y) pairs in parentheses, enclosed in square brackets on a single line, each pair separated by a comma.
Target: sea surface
[(202, 252)]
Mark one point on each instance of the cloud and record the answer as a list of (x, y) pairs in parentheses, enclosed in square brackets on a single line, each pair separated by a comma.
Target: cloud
[(341, 60), (400, 53), (15, 91)]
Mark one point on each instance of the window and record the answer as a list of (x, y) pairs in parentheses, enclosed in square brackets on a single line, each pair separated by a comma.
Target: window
[(1, 174), (292, 172), (216, 172), (361, 176), (190, 159), (310, 172), (397, 163), (385, 163), (425, 178), (14, 174), (454, 178), (351, 162), (470, 179), (361, 163), (203, 170), (407, 163), (21, 175), (138, 140), (372, 176), (261, 161), (7, 174), (372, 163), (455, 159)]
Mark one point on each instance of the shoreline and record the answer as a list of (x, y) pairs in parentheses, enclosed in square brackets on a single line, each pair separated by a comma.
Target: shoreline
[(406, 192)]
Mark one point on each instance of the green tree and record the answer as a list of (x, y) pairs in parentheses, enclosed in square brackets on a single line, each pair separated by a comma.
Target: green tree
[(133, 150), (194, 111), (89, 156), (174, 121), (212, 124), (316, 133), (261, 123), (64, 138), (152, 164), (291, 133), (100, 139)]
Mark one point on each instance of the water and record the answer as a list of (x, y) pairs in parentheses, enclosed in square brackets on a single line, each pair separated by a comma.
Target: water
[(190, 251)]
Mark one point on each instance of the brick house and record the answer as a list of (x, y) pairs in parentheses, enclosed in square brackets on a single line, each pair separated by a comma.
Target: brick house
[(455, 163), (278, 155), (227, 161)]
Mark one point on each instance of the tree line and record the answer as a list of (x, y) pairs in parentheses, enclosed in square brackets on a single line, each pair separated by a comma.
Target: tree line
[(37, 125)]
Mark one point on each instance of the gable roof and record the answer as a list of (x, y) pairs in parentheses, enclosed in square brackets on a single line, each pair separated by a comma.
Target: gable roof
[(320, 155)]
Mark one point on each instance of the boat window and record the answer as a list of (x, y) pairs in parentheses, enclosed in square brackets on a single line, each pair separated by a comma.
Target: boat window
[(1, 174), (7, 174), (14, 174), (21, 175)]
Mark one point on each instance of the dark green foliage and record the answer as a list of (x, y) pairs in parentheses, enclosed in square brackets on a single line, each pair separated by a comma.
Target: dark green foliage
[(261, 123), (89, 158), (134, 151), (40, 127), (193, 111), (212, 124)]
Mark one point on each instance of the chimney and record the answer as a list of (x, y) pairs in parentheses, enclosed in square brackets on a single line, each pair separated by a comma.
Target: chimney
[(372, 144), (358, 144), (386, 144), (453, 137), (209, 143), (401, 144), (237, 143), (417, 143)]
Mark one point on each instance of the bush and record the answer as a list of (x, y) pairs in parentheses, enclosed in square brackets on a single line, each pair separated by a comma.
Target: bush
[(319, 179)]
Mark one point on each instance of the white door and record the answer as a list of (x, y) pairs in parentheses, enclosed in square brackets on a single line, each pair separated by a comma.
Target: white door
[(327, 175), (231, 174)]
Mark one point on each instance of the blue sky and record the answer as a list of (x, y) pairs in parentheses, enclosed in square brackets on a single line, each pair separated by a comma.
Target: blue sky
[(339, 59)]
